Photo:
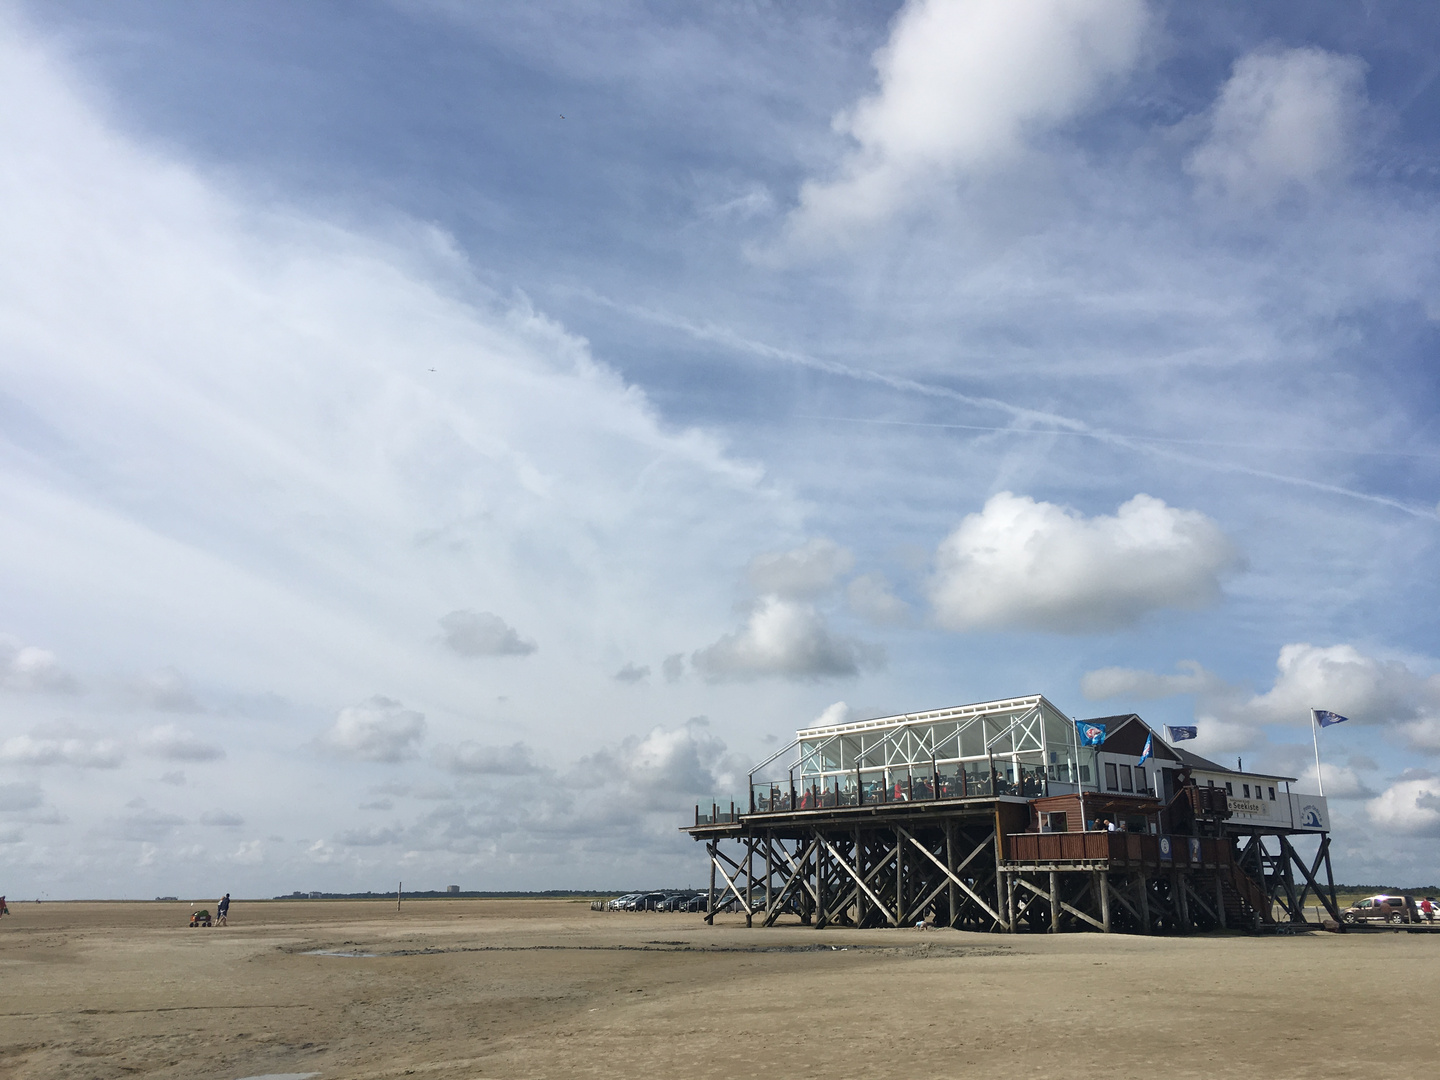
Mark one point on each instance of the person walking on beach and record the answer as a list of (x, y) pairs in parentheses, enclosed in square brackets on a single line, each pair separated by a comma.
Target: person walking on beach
[(222, 910)]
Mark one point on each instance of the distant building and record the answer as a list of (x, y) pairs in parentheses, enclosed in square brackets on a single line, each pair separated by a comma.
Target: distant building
[(452, 888)]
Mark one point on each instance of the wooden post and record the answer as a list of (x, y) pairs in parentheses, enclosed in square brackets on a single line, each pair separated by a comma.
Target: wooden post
[(1182, 901), (1143, 895), (1054, 901), (950, 865), (749, 879), (1220, 900), (859, 893), (398, 890), (710, 904), (1102, 886), (821, 917), (899, 877), (769, 870)]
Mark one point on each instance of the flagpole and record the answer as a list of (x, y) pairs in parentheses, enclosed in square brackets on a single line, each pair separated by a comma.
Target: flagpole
[(1315, 735), (1075, 734)]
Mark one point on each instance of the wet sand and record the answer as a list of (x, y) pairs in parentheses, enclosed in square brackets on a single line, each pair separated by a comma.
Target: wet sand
[(480, 988)]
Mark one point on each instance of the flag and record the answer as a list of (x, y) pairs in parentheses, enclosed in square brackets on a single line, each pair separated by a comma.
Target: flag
[(1325, 719), (1090, 734), (1149, 749), (1180, 734)]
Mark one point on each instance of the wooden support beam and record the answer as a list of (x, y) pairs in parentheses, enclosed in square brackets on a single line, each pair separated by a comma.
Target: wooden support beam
[(1054, 901), (710, 900), (1323, 854), (859, 881), (953, 876), (1142, 890), (1103, 888), (950, 869)]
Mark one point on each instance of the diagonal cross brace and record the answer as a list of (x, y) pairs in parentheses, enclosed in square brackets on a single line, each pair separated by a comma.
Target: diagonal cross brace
[(947, 872)]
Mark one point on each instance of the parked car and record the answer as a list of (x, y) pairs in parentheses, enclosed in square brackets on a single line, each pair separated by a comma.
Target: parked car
[(1382, 908)]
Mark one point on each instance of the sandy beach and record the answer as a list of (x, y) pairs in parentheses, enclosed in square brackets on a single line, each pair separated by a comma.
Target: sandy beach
[(479, 988)]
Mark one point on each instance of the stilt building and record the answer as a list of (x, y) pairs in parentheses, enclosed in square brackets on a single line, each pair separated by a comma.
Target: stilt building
[(998, 817)]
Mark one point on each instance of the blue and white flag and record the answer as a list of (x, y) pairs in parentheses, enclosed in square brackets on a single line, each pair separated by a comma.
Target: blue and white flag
[(1149, 749), (1090, 734), (1325, 719), (1180, 734)]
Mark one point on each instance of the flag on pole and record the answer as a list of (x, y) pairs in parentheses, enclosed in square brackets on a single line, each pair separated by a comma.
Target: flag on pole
[(1180, 734), (1149, 749), (1326, 719), (1090, 734)]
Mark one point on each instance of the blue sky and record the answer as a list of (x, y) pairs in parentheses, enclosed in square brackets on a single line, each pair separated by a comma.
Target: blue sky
[(445, 441)]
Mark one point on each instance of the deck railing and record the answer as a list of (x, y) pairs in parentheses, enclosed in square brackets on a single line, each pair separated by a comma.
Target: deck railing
[(1118, 847)]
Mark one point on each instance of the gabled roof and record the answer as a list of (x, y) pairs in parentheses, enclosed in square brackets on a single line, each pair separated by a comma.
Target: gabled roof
[(1126, 734)]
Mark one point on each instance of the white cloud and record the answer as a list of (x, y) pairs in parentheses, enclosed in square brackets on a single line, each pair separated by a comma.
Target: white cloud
[(835, 713), (1341, 782), (802, 573), (176, 744), (963, 85), (1283, 119), (473, 757), (61, 746), (29, 669), (164, 691), (1370, 691), (1022, 564), (380, 729), (869, 596), (1342, 679), (1113, 682), (1410, 805), (483, 633), (785, 638)]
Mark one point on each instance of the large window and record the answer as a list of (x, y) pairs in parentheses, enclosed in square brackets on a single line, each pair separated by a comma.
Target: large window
[(1126, 784), (1272, 794), (1142, 782), (1112, 780)]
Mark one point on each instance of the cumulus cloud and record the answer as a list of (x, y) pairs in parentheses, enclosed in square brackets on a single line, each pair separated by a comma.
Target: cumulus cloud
[(21, 796), (802, 573), (789, 639), (1341, 782), (222, 819), (176, 744), (475, 758), (632, 673), (483, 633), (869, 596), (1022, 564), (29, 669), (1342, 679), (164, 691), (963, 84), (835, 713), (1115, 682), (1284, 119), (61, 746), (1371, 691), (1410, 805), (380, 729)]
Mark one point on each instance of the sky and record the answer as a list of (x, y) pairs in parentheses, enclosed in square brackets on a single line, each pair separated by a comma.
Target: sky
[(444, 442)]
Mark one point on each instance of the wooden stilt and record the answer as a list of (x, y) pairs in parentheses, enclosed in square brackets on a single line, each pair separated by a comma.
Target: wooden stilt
[(1054, 902), (1102, 886)]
